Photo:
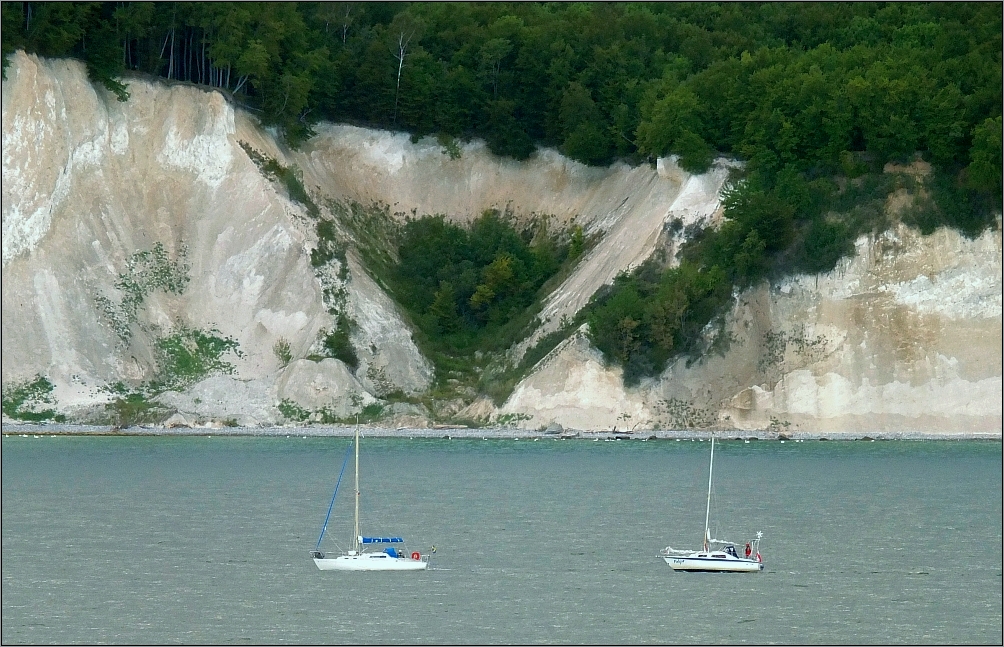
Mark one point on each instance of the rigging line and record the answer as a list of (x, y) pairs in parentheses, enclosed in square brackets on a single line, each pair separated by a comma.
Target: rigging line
[(332, 504)]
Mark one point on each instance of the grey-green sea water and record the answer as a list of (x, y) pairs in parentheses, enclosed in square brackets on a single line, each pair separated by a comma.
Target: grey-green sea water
[(205, 540)]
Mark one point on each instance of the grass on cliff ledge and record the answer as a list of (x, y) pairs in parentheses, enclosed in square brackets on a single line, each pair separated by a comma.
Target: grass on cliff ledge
[(30, 400)]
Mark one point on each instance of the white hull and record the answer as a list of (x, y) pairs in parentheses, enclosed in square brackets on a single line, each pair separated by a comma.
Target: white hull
[(371, 562), (714, 562)]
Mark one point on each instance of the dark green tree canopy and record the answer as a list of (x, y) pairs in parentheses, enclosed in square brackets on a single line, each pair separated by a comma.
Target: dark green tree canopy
[(772, 83)]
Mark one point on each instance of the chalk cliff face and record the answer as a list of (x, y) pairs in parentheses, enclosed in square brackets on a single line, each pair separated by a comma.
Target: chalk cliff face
[(124, 223), (905, 336), (93, 188)]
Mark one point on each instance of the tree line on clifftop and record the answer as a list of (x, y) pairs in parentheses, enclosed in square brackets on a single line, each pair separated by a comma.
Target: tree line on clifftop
[(815, 98)]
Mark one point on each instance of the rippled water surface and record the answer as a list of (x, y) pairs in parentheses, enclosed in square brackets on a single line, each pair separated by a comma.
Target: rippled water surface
[(206, 540)]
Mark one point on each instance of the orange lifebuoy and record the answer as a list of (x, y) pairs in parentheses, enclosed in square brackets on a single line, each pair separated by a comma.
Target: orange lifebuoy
[(416, 555)]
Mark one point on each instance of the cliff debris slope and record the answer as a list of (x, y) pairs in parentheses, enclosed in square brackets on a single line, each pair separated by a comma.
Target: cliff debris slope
[(149, 250)]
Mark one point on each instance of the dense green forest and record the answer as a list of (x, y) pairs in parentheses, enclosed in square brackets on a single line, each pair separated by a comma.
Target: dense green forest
[(814, 98), (467, 283), (812, 86), (474, 291)]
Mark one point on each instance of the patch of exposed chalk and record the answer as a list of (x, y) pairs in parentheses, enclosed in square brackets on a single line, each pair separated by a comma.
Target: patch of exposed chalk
[(281, 324), (207, 153), (956, 294), (833, 395), (385, 151), (239, 276), (571, 386)]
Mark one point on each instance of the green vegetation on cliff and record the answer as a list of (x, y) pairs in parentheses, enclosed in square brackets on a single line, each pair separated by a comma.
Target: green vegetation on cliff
[(470, 292), (146, 272), (31, 400), (184, 357), (466, 286)]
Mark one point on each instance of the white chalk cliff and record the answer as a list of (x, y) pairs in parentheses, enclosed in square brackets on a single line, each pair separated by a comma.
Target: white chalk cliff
[(904, 336)]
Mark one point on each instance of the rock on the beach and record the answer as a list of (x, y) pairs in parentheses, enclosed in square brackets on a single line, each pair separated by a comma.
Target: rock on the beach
[(326, 385)]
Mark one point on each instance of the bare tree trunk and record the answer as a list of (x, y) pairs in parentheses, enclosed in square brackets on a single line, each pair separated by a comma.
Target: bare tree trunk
[(170, 65), (402, 52), (345, 23), (164, 46), (285, 100)]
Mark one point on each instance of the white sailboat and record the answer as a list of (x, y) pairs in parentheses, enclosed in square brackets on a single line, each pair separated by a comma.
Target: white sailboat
[(722, 559), (358, 558)]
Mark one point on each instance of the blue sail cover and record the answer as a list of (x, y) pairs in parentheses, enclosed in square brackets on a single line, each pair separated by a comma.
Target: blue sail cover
[(381, 540)]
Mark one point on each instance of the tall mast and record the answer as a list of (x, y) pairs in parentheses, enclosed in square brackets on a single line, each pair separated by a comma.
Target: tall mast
[(707, 514), (355, 536)]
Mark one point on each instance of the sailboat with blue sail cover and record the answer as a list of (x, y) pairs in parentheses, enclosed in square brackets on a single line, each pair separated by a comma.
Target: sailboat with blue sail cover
[(393, 557)]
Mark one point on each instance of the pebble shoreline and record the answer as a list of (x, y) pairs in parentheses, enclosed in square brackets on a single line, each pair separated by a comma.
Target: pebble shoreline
[(453, 432)]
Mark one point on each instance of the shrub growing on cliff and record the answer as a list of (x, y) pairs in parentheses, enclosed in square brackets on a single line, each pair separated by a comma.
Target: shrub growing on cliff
[(337, 342), (146, 271), (281, 350), (135, 408), (189, 355), (292, 411), (652, 314), (289, 176), (329, 247)]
